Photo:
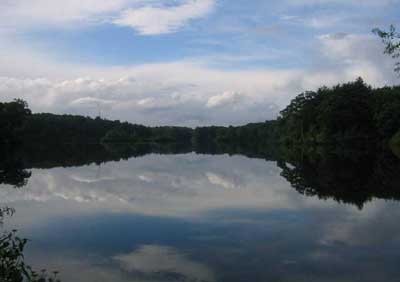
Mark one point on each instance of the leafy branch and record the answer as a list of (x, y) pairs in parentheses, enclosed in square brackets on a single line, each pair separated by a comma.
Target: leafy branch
[(12, 260), (391, 39)]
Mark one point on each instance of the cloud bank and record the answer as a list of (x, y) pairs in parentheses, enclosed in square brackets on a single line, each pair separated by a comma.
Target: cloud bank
[(187, 93)]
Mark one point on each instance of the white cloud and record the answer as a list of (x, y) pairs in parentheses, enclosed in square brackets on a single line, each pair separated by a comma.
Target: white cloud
[(222, 181), (358, 55), (153, 103), (156, 261), (91, 101), (224, 99), (151, 20), (348, 46), (324, 22)]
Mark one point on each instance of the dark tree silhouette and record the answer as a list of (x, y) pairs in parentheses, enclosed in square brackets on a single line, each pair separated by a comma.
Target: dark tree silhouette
[(12, 118)]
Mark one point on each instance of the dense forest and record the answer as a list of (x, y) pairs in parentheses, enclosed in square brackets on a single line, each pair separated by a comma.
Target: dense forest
[(347, 113), (83, 130)]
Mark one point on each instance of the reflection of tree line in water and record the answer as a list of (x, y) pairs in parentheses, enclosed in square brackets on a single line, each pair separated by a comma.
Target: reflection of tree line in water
[(345, 174)]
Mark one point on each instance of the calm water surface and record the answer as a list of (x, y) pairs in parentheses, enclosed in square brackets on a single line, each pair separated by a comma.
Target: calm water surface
[(195, 217)]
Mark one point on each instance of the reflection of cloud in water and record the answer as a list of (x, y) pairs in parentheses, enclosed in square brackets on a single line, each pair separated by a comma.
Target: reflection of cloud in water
[(145, 178), (160, 263), (179, 185), (148, 263), (376, 224), (221, 181), (80, 267), (90, 180)]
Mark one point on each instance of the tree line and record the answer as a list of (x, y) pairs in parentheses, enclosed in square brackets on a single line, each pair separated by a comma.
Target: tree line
[(19, 125), (346, 113), (350, 112)]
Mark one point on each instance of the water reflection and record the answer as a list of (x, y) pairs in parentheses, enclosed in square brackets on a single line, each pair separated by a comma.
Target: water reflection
[(12, 169), (154, 262), (189, 217), (176, 185), (354, 177), (349, 176)]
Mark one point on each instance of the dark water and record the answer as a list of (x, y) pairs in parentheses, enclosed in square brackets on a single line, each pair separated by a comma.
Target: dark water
[(198, 217)]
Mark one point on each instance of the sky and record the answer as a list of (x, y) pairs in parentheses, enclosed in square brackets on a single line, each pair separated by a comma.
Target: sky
[(187, 62)]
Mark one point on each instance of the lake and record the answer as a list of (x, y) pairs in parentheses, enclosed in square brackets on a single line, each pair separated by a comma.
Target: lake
[(199, 217)]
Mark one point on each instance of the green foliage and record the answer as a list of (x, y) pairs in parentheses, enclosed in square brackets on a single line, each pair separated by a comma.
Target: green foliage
[(235, 138), (70, 129), (329, 115), (133, 133), (395, 144), (386, 107), (5, 211), (57, 129), (12, 262), (12, 117), (391, 39), (119, 135), (351, 112)]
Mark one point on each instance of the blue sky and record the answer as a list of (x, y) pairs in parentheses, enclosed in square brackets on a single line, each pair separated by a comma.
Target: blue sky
[(186, 62)]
